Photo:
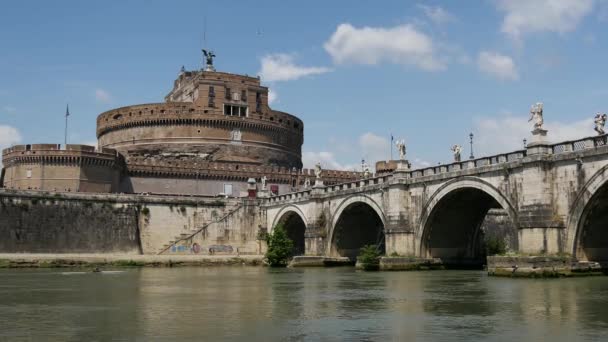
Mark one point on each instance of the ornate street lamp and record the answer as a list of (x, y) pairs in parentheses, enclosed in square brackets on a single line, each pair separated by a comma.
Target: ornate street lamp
[(471, 142)]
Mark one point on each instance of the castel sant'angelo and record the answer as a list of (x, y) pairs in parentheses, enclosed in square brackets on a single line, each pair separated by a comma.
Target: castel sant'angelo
[(214, 134)]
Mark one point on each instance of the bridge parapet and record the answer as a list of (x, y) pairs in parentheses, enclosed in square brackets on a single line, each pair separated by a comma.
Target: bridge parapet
[(463, 168), (580, 144), (354, 186)]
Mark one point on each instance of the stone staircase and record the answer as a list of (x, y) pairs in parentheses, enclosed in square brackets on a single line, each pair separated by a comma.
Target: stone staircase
[(198, 230)]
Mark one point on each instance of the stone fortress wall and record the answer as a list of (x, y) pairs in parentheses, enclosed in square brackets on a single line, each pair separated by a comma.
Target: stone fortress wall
[(76, 168), (45, 222)]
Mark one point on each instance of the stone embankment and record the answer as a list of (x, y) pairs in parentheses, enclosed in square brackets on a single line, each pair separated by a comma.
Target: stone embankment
[(22, 260), (542, 267)]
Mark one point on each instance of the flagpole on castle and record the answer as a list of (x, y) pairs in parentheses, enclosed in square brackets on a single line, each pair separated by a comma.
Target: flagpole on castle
[(391, 146), (67, 113)]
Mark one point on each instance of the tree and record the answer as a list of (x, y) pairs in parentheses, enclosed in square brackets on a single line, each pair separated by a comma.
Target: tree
[(369, 257), (280, 247)]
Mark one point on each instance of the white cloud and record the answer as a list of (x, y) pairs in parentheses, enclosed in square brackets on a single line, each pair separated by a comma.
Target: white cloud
[(328, 161), (102, 96), (401, 44), (8, 136), (281, 67), (272, 96), (368, 146), (374, 148), (437, 14), (506, 133), (418, 163), (499, 66), (532, 16)]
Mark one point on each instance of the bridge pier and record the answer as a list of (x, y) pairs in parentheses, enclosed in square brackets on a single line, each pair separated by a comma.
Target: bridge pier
[(540, 240), (314, 241), (400, 241)]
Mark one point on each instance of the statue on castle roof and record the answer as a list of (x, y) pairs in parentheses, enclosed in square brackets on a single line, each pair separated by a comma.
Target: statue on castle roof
[(401, 148), (600, 121), (536, 114), (209, 55)]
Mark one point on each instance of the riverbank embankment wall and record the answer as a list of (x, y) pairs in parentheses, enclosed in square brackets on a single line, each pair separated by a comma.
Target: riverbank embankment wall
[(46, 222)]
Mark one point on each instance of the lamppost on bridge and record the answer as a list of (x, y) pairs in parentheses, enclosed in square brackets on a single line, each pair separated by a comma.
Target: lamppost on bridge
[(525, 143), (471, 142)]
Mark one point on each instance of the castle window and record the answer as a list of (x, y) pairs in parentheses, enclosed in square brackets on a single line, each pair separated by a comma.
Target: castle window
[(243, 95), (211, 96), (228, 189), (28, 173), (258, 101), (227, 93), (232, 110)]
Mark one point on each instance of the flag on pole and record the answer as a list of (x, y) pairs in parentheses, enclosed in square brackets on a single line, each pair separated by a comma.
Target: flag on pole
[(67, 110)]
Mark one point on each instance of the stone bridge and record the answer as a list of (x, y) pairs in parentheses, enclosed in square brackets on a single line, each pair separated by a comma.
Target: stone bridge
[(553, 198)]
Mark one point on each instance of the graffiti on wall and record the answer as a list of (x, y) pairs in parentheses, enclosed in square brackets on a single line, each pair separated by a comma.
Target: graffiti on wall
[(220, 249), (196, 249)]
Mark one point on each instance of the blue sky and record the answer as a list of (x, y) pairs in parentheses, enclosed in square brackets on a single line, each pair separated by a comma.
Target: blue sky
[(428, 71)]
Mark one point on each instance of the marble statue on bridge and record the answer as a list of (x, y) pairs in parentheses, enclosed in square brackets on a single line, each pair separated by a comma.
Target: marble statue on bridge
[(536, 114), (366, 171), (264, 180), (600, 121), (401, 148), (456, 149), (318, 171)]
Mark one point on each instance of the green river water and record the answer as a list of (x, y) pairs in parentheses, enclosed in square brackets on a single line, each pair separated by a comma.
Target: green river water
[(315, 304)]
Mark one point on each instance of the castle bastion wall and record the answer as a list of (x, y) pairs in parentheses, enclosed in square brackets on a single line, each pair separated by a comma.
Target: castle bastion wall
[(77, 168)]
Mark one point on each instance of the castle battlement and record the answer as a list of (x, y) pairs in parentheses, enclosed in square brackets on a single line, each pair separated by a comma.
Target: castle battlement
[(80, 168)]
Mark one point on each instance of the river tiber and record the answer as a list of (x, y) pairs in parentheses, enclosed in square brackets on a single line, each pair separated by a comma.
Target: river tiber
[(241, 205)]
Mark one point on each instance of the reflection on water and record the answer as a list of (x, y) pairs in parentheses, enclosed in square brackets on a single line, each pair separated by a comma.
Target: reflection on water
[(246, 304)]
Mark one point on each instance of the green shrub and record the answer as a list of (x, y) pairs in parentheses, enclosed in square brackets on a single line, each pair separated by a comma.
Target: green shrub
[(495, 246), (145, 211), (369, 257), (280, 247)]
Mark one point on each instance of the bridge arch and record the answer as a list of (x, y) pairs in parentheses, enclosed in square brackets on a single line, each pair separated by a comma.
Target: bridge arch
[(587, 226), (294, 221), (450, 222), (357, 221)]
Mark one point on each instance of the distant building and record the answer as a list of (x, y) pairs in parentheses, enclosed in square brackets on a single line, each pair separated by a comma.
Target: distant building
[(214, 131)]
